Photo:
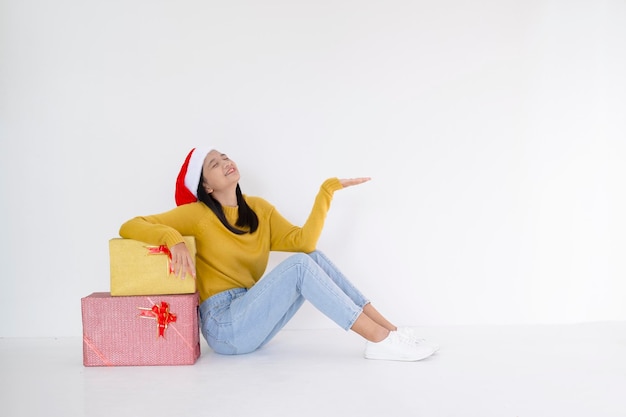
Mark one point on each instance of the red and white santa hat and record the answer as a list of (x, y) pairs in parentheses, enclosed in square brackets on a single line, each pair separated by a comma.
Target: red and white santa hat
[(189, 176)]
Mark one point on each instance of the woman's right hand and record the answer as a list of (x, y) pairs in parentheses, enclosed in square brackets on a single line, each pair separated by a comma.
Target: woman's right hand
[(182, 262), (348, 182)]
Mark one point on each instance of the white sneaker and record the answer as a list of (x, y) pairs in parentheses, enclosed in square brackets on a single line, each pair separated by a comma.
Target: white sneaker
[(411, 334), (397, 348)]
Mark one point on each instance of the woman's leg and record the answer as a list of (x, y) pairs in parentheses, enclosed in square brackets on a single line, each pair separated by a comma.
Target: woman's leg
[(372, 313), (249, 319), (240, 321), (369, 329), (371, 324), (340, 279), (253, 317)]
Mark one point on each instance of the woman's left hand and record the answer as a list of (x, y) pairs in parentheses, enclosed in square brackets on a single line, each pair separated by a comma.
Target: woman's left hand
[(347, 182)]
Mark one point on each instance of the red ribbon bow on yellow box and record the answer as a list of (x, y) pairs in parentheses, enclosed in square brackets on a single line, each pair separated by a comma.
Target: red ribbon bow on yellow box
[(162, 250)]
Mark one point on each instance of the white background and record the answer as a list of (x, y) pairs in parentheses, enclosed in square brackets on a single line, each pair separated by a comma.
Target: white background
[(494, 132)]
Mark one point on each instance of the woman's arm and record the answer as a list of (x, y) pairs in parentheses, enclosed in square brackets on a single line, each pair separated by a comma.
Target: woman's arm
[(167, 229), (287, 237)]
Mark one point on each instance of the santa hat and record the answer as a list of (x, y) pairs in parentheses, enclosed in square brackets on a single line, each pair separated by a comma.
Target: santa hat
[(189, 176)]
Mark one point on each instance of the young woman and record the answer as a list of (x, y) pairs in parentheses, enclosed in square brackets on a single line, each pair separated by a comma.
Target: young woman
[(239, 311)]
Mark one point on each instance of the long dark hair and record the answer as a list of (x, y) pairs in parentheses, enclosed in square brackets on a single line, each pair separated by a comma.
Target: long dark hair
[(247, 218)]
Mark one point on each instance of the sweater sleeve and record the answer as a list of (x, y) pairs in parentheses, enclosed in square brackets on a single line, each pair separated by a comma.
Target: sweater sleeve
[(166, 228), (290, 238)]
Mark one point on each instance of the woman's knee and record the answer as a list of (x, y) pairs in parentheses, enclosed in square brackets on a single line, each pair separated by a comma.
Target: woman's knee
[(316, 255), (302, 258)]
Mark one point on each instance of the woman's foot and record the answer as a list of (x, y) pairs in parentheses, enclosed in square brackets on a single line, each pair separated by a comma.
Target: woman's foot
[(397, 347), (411, 334)]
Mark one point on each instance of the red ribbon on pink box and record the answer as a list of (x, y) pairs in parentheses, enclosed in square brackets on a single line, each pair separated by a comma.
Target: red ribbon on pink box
[(160, 313)]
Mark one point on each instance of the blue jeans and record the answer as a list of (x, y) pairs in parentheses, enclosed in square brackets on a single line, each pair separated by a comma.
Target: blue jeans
[(241, 321)]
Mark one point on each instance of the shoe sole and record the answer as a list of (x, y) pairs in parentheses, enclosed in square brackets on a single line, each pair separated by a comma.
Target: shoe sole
[(396, 358)]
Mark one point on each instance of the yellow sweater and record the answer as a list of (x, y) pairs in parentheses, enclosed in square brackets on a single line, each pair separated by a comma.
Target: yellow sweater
[(225, 260)]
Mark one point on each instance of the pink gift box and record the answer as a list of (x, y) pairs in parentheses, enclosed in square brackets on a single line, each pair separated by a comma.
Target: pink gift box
[(140, 330)]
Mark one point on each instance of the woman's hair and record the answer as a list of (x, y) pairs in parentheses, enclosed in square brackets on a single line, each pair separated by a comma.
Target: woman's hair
[(247, 218)]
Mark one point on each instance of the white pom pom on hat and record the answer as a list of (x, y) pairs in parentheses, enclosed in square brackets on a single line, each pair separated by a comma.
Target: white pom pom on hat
[(189, 176)]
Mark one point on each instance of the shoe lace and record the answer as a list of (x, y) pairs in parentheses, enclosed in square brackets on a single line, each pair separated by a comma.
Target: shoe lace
[(411, 335), (405, 338)]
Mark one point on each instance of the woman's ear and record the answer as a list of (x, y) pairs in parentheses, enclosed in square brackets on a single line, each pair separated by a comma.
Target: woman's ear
[(208, 189)]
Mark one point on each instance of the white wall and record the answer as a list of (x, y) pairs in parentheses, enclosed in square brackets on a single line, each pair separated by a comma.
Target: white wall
[(494, 132)]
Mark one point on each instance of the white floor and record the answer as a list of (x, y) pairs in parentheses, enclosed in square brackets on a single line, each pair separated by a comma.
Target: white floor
[(517, 371)]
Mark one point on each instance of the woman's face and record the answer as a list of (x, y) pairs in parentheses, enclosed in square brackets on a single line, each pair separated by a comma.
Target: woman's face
[(219, 172)]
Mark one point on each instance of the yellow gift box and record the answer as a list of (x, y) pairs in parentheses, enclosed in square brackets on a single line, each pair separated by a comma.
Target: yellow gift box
[(138, 268)]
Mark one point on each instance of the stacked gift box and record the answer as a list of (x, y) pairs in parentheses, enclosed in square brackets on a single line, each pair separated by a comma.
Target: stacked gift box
[(149, 317)]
